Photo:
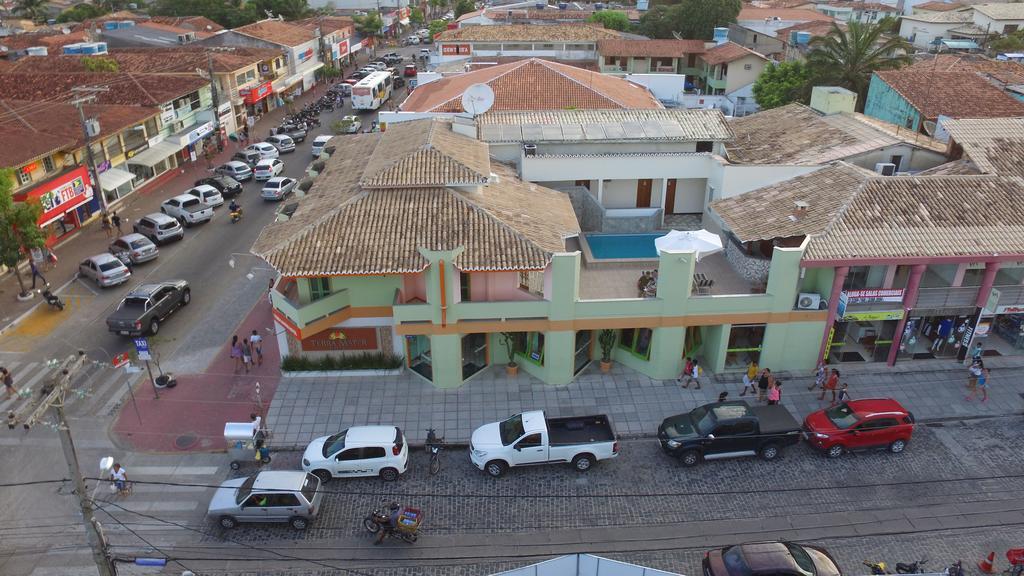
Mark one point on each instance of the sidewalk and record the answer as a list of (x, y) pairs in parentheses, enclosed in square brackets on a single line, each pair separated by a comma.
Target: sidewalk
[(91, 240), (191, 416)]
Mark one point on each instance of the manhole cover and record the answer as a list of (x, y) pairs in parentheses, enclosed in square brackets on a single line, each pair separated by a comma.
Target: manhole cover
[(185, 441)]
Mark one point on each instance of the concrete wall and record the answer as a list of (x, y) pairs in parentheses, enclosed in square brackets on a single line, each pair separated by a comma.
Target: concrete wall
[(621, 194), (664, 87), (887, 104), (739, 76), (914, 159), (921, 34), (690, 193), (754, 270), (544, 168), (995, 26), (732, 180)]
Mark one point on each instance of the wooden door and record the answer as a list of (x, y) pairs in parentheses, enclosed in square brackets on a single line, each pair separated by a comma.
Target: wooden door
[(670, 197), (643, 193)]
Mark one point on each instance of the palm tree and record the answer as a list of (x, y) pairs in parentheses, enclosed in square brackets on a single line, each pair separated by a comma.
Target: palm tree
[(847, 58), (35, 10)]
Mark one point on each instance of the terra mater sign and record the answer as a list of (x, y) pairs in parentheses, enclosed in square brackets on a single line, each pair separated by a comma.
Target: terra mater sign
[(341, 339)]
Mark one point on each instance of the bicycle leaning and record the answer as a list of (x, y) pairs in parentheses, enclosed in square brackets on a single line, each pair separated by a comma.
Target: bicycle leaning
[(434, 445)]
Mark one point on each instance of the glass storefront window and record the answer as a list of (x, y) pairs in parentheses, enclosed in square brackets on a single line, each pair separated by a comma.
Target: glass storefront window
[(1009, 277), (319, 288), (530, 345), (745, 342), (862, 340), (863, 277), (474, 354), (113, 146), (637, 341), (583, 346), (418, 356), (151, 128), (134, 139)]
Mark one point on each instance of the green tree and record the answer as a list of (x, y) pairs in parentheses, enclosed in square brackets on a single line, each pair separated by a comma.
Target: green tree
[(369, 26), (847, 58), (611, 19), (780, 84), (691, 19), (81, 12), (464, 7), (100, 64), (657, 23), (437, 5), (889, 25), (229, 13), (1013, 42), (19, 229), (35, 10), (436, 27), (288, 9), (416, 17)]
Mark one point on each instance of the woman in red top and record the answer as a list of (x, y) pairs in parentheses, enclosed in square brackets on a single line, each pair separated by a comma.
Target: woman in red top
[(831, 383)]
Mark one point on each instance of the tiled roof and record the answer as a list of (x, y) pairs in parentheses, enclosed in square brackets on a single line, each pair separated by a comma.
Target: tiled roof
[(815, 27), (127, 89), (650, 48), (534, 14), (728, 52), (426, 154), (197, 23), (1001, 71), (962, 167), (341, 228), (934, 93), (48, 38), (951, 17), (553, 86), (995, 145), (786, 14), (529, 33), (926, 216), (936, 6), (781, 3), (678, 124), (327, 24), (766, 213), (796, 134), (969, 29), (43, 128), (278, 32), (1001, 11), (861, 6), (177, 60), (469, 15)]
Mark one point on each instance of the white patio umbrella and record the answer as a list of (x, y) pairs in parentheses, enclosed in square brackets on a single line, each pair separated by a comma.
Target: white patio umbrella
[(700, 241)]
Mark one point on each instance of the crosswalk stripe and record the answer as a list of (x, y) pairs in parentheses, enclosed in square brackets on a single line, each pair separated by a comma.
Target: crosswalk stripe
[(168, 471), (25, 385)]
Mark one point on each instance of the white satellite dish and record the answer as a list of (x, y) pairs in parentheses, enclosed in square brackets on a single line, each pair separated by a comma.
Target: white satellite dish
[(477, 99)]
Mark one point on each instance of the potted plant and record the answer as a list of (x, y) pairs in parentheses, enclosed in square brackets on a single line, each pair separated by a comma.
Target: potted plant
[(607, 341), (508, 339)]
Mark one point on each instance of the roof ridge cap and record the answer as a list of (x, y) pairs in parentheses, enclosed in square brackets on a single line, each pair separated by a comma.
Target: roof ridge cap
[(589, 87)]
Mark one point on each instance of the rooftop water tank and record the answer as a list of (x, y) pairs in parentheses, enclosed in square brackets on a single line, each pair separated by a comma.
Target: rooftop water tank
[(75, 48), (540, 5), (110, 25), (803, 37), (563, 5), (36, 51), (721, 35)]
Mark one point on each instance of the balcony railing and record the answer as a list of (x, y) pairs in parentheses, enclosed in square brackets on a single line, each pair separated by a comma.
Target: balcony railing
[(285, 300), (960, 297)]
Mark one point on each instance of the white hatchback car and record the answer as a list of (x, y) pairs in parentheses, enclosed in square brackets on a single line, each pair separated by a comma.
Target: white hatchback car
[(359, 451), (267, 169), (208, 194), (266, 150), (319, 143), (277, 188)]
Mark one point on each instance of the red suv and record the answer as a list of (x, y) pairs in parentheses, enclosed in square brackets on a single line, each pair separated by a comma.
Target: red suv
[(860, 425)]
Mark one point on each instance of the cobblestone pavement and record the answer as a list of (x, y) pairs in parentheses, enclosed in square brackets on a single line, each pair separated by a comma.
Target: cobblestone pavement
[(633, 507)]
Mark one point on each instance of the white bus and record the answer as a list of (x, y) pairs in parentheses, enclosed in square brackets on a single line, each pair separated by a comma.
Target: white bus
[(371, 92)]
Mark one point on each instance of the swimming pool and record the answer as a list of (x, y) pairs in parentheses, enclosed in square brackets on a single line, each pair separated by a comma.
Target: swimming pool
[(628, 246)]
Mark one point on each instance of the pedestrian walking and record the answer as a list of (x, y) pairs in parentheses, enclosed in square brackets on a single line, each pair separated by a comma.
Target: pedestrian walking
[(116, 220), (819, 377), (973, 373), (981, 385), (749, 378), (236, 352), (105, 224), (256, 343), (831, 384), (694, 375), (977, 353), (36, 274), (246, 355), (844, 393), (687, 368), (8, 380), (762, 385), (774, 392)]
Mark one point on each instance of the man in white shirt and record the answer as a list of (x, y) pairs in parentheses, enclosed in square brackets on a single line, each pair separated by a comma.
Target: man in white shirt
[(256, 343), (119, 476)]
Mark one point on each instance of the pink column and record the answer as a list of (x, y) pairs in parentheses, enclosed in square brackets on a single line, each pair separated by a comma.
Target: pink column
[(833, 303), (991, 269), (909, 301)]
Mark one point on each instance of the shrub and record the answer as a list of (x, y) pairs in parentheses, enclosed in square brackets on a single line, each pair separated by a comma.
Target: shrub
[(364, 361)]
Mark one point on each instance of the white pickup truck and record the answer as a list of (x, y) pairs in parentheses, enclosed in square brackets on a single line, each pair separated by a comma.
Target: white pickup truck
[(529, 438), (187, 209)]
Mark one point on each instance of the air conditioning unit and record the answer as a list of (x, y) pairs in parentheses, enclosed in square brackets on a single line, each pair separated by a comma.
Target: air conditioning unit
[(885, 168), (808, 301), (92, 127), (529, 149)]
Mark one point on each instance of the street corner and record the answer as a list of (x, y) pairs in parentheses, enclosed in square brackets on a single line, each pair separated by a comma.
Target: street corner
[(42, 321), (189, 417)]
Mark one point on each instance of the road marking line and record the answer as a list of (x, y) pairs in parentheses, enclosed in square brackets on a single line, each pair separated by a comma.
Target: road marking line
[(27, 386), (175, 470), (82, 282)]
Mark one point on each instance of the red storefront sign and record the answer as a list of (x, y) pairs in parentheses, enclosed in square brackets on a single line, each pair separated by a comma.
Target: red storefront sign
[(256, 93), (342, 49), (456, 49), (875, 295), (62, 194), (336, 339)]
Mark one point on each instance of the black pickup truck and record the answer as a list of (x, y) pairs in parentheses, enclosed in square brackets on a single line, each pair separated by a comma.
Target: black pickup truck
[(145, 307), (728, 430)]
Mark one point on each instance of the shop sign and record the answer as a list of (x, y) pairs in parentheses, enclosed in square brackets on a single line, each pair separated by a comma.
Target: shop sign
[(874, 295), (64, 194), (341, 49), (29, 168), (305, 55), (199, 132), (983, 328), (224, 108), (341, 339), (155, 140), (1009, 309), (133, 151), (874, 315), (103, 167), (356, 47), (456, 49), (167, 114), (256, 93)]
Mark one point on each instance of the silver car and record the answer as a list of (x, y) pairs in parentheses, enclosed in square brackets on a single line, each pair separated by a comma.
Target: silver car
[(282, 142), (159, 228), (277, 188), (135, 247), (236, 169), (269, 496), (105, 270)]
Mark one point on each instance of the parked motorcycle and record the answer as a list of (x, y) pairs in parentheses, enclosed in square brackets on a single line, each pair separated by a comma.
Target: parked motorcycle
[(52, 299), (880, 568), (396, 521)]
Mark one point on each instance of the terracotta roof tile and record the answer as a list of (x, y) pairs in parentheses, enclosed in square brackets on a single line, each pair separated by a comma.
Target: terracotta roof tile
[(951, 17), (196, 23), (962, 167), (815, 27), (1002, 72), (341, 228), (677, 124), (1001, 11), (529, 33), (728, 52), (49, 39), (782, 4), (861, 6), (177, 60), (127, 89), (936, 6), (995, 145), (790, 14), (553, 86), (278, 32), (934, 93), (650, 48), (426, 154), (327, 24)]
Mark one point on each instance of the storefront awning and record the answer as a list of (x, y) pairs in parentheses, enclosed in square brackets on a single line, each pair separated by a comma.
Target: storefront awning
[(154, 154), (287, 83), (960, 44), (113, 178)]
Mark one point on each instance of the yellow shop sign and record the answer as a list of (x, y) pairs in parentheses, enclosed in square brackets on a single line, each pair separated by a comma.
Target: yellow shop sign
[(890, 315)]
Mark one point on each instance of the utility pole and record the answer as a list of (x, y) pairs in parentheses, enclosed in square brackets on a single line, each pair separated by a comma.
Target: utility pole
[(90, 160), (56, 392), (216, 100)]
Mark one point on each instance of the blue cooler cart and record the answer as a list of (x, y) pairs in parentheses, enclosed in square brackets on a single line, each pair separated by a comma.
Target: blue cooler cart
[(246, 443)]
